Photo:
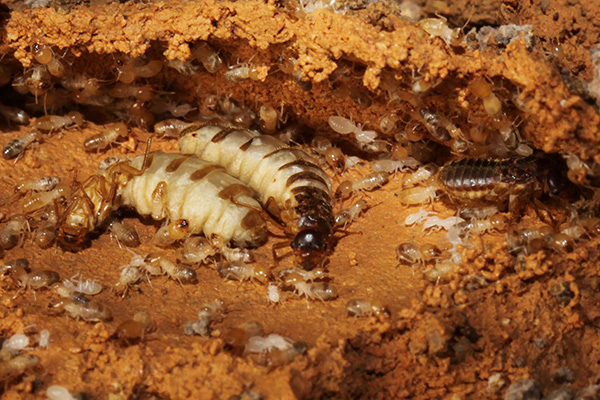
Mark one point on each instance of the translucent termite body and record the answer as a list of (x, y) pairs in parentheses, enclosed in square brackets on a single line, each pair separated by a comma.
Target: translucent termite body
[(43, 184), (177, 272), (368, 182), (290, 185), (348, 215), (242, 272), (55, 122), (366, 308), (17, 146), (124, 233), (410, 253), (102, 140), (90, 311)]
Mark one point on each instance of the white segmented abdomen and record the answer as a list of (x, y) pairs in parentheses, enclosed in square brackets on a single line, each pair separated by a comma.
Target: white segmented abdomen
[(199, 192), (263, 162)]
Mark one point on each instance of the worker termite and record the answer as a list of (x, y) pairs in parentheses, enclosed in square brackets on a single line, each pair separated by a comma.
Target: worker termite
[(17, 366), (141, 93), (45, 56), (207, 56), (368, 182), (307, 276), (102, 140), (177, 272), (35, 201), (435, 223), (124, 233), (54, 122), (422, 174), (17, 146), (269, 117), (14, 232), (43, 184), (394, 166), (298, 192), (480, 88), (130, 275), (345, 126), (129, 70), (90, 311), (513, 180), (89, 287), (367, 308), (35, 280), (348, 215), (323, 291), (177, 110), (242, 272), (209, 313), (477, 227), (260, 344), (437, 27), (239, 72), (135, 329), (410, 253), (170, 127)]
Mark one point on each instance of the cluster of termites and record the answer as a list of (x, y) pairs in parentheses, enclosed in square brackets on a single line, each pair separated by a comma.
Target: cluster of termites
[(241, 167)]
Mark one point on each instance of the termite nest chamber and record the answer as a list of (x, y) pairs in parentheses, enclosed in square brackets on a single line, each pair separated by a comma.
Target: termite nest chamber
[(276, 141)]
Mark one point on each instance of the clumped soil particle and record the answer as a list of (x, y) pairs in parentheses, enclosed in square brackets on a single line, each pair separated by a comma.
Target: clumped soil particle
[(535, 318)]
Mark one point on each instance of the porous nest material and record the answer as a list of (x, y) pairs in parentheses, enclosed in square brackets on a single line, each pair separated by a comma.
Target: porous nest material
[(452, 337)]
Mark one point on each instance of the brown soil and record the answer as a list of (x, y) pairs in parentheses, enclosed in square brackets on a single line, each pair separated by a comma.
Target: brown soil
[(445, 338)]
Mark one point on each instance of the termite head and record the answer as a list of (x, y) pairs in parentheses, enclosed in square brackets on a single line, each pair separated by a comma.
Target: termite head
[(72, 238), (308, 247)]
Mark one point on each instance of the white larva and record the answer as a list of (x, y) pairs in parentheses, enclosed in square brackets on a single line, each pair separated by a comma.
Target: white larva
[(286, 180), (203, 194)]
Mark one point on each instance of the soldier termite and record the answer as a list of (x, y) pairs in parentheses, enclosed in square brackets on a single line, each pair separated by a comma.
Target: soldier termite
[(297, 192)]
